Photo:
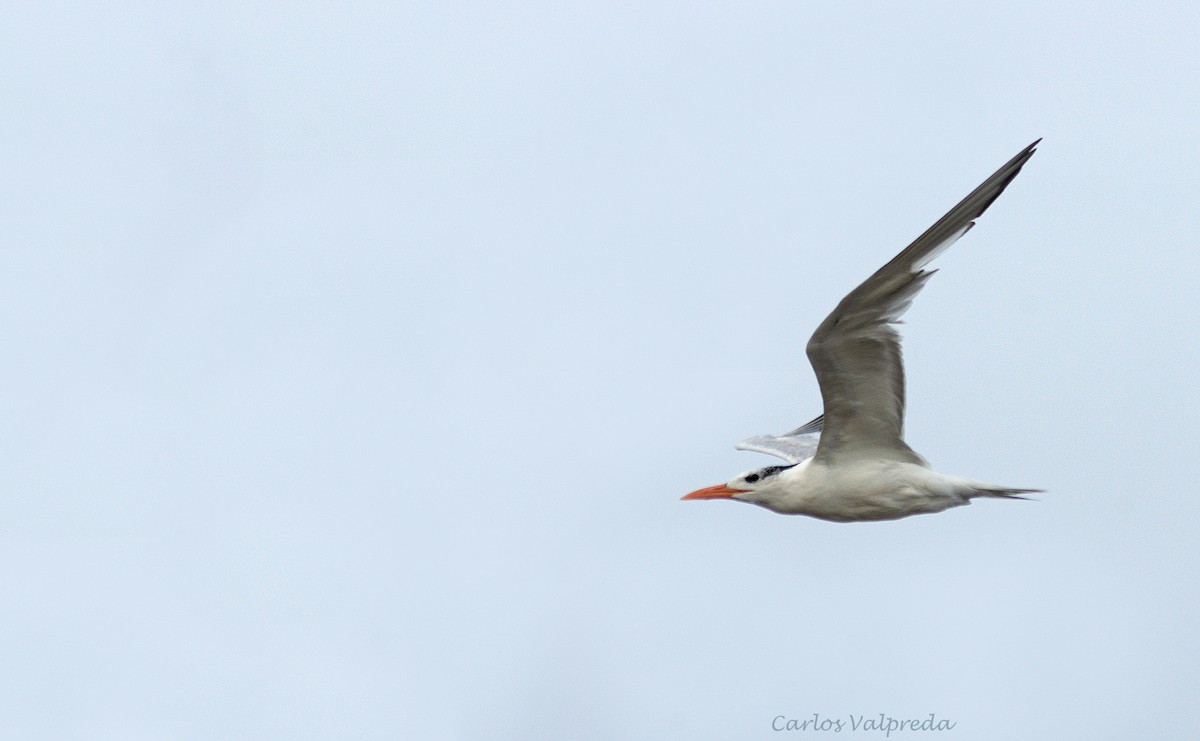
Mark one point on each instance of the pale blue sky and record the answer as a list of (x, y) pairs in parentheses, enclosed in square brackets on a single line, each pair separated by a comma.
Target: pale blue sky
[(357, 356)]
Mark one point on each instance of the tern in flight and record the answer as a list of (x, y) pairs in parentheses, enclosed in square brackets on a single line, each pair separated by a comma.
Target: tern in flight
[(851, 463)]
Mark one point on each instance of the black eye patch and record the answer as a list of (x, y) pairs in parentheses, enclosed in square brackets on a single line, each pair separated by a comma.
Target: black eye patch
[(764, 473)]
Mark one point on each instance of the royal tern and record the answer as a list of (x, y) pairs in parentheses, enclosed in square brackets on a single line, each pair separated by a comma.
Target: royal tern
[(851, 463)]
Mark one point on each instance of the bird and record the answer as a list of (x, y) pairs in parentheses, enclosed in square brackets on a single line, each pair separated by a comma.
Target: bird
[(851, 463)]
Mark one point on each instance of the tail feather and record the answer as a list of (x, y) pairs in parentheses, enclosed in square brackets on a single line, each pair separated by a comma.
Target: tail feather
[(1003, 492)]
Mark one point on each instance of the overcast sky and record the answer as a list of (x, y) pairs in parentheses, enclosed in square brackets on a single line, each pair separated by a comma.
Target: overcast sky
[(357, 355)]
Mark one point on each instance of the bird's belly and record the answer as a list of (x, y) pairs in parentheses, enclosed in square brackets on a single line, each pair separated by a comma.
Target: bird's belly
[(884, 491)]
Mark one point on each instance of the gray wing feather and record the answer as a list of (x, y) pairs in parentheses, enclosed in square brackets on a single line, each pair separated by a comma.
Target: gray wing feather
[(855, 352), (814, 425), (798, 445)]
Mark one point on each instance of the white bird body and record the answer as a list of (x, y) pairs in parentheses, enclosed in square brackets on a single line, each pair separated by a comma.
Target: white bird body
[(851, 463), (878, 489)]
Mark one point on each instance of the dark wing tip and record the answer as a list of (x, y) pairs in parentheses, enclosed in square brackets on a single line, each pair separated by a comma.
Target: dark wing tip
[(808, 428), (1002, 178), (965, 212)]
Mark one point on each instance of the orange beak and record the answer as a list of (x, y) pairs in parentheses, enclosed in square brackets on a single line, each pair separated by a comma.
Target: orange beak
[(720, 491)]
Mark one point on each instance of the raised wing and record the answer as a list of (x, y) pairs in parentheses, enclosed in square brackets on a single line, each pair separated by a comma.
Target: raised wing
[(856, 350), (798, 445)]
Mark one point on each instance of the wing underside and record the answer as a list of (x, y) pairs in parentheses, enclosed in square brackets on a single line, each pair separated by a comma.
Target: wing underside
[(855, 352), (798, 445)]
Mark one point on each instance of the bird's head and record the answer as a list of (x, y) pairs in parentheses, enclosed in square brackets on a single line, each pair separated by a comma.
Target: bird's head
[(760, 486)]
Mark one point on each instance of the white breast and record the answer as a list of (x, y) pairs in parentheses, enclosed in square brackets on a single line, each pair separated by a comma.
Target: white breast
[(866, 490)]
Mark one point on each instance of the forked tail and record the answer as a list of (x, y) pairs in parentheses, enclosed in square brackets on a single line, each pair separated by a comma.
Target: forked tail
[(1003, 492)]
